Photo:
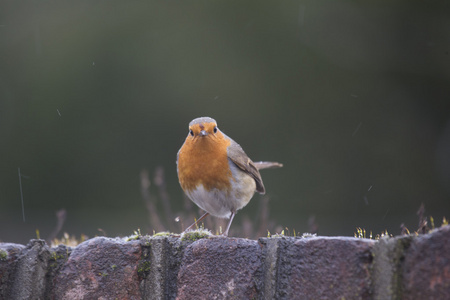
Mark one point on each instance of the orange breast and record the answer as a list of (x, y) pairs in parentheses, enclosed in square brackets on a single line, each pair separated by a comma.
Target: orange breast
[(204, 160)]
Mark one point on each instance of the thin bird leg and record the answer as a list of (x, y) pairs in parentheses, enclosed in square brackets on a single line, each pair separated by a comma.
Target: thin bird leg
[(195, 223), (229, 223)]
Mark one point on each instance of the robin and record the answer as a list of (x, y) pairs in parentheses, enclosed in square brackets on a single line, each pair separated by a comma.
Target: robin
[(215, 173)]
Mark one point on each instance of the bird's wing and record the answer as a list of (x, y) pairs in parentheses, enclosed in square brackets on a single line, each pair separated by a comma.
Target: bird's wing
[(237, 155)]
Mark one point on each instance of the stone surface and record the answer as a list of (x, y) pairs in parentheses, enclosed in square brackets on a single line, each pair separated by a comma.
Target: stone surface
[(426, 266), (220, 268), (270, 258), (31, 269), (58, 257), (159, 266), (8, 260), (164, 267), (100, 268), (324, 268), (389, 254)]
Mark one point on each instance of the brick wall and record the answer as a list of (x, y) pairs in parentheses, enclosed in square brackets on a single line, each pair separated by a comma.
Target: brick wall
[(406, 267)]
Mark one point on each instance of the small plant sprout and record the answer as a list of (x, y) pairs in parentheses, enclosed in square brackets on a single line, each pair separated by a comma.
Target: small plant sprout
[(68, 240), (276, 235), (360, 233), (384, 234), (135, 236)]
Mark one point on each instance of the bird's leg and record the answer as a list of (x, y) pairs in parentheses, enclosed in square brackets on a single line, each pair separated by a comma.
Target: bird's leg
[(229, 223), (195, 223)]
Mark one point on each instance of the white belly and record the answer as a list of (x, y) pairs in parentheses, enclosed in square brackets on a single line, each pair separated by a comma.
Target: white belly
[(221, 203)]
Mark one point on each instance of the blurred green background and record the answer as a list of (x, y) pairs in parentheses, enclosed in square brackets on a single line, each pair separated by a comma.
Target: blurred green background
[(353, 97)]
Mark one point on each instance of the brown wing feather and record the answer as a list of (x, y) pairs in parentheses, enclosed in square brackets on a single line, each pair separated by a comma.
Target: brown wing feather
[(237, 155)]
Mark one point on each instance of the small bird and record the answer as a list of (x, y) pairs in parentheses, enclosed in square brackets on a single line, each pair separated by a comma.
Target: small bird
[(215, 173)]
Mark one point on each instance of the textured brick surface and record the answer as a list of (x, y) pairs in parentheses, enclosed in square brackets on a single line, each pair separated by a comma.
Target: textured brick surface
[(426, 266), (389, 254), (100, 268), (159, 266), (30, 272), (270, 258), (165, 267), (324, 268), (220, 268), (8, 261)]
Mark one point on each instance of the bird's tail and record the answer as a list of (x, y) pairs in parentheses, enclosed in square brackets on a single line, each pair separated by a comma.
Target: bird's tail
[(267, 164)]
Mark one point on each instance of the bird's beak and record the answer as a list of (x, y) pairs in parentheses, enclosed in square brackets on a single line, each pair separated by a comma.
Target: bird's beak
[(203, 133)]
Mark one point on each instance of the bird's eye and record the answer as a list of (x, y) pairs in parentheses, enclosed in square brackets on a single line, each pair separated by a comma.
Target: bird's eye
[(215, 129), (191, 132)]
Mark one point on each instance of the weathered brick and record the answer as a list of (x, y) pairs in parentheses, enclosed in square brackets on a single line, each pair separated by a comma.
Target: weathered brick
[(8, 260), (324, 268), (220, 268), (31, 270), (405, 267), (426, 266), (159, 266), (100, 268), (387, 266)]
